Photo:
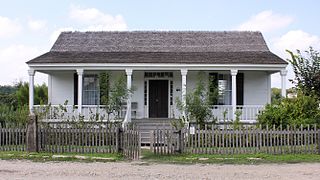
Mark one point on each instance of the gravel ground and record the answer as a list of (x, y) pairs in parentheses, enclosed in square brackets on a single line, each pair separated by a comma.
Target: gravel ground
[(15, 169)]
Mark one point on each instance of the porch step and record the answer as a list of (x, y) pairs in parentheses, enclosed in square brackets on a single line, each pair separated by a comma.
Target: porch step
[(146, 126)]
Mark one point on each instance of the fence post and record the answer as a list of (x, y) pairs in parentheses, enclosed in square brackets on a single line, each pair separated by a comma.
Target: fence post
[(119, 135), (179, 144), (318, 141), (32, 133)]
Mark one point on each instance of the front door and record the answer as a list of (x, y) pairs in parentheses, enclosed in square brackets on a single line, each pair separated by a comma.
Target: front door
[(158, 98)]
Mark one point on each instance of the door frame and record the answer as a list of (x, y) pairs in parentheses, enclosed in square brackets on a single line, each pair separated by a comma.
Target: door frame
[(168, 91)]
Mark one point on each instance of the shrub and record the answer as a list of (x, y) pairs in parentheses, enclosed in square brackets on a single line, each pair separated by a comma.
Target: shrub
[(296, 111), (10, 116)]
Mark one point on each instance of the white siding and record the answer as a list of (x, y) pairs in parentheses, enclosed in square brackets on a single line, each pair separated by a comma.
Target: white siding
[(138, 93), (62, 87), (176, 93), (256, 88)]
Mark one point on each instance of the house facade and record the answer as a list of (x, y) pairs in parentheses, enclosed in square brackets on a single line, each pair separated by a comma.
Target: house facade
[(160, 66)]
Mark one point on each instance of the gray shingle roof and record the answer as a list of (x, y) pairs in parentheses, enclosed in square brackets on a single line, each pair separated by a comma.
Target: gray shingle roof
[(160, 41), (205, 47)]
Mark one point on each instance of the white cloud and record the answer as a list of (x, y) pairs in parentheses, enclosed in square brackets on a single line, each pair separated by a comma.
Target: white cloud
[(91, 19), (95, 20), (295, 39), (36, 25), (266, 21), (13, 66), (8, 27), (292, 40)]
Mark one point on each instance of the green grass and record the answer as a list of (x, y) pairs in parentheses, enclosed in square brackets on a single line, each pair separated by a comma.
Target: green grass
[(148, 156), (43, 157)]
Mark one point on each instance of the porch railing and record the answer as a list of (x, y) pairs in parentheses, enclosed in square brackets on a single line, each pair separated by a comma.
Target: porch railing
[(70, 112), (223, 113), (249, 113)]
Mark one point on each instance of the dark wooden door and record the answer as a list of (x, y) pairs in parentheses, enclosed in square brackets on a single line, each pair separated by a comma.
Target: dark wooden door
[(158, 98)]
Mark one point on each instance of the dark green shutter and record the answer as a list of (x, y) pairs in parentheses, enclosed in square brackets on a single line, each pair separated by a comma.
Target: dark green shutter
[(213, 86), (75, 89), (240, 77)]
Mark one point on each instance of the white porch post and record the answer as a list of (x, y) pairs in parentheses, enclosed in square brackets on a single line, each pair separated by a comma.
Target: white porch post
[(283, 74), (31, 73), (269, 87), (234, 73), (184, 90), (129, 85), (80, 79)]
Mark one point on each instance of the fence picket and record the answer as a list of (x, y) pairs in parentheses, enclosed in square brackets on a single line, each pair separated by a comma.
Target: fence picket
[(205, 140)]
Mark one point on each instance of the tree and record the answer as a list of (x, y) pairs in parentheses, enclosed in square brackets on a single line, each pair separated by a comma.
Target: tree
[(7, 89), (22, 93), (199, 102), (40, 94), (306, 68), (113, 95), (275, 95)]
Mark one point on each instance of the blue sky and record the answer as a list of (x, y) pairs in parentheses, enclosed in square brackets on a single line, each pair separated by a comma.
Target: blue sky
[(29, 28)]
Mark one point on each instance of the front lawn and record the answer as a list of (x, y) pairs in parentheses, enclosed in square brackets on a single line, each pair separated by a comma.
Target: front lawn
[(149, 157), (96, 157), (230, 159)]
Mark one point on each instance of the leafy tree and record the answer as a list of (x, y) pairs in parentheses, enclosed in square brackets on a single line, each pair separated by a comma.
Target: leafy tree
[(275, 95), (113, 95), (307, 71), (8, 99), (40, 94), (198, 103), (303, 109), (22, 93), (7, 89), (10, 116)]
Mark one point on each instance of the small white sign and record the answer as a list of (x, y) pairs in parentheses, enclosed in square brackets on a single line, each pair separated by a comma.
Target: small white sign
[(192, 130)]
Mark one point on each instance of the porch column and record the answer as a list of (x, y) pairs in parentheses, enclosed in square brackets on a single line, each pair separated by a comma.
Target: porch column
[(283, 74), (80, 79), (31, 73), (234, 73), (184, 90), (129, 84)]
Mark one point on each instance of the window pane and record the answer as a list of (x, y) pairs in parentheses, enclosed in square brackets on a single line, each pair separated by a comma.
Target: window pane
[(91, 92)]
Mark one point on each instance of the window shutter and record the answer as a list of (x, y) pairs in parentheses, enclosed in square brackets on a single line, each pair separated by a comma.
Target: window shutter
[(240, 77), (75, 89), (213, 80)]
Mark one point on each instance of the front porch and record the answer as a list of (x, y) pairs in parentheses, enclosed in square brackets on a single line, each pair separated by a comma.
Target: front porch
[(155, 93)]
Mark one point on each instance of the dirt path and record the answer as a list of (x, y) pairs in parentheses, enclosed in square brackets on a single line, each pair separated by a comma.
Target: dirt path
[(139, 170)]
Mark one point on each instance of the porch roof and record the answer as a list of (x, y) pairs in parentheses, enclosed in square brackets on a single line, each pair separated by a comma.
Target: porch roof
[(160, 57)]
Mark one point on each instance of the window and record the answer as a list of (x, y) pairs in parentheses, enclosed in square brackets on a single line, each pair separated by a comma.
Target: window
[(220, 89), (224, 89), (91, 94)]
